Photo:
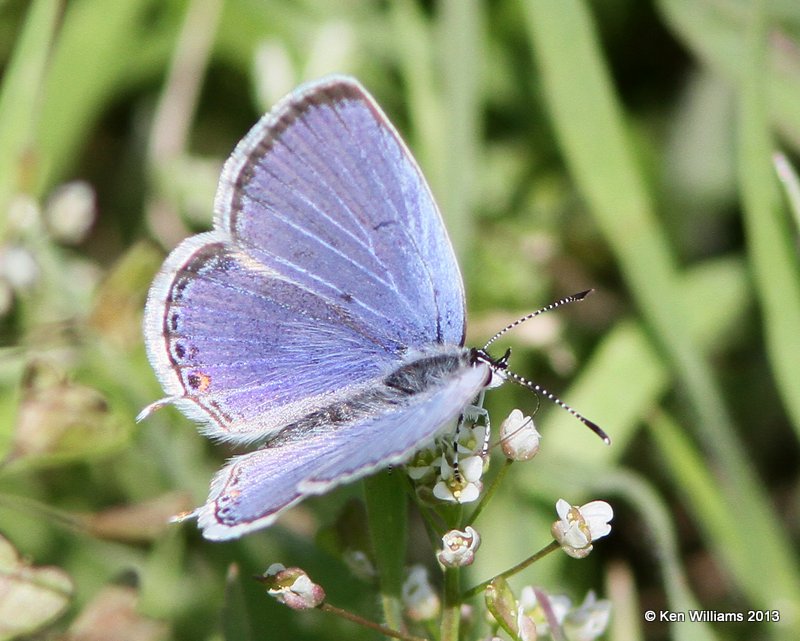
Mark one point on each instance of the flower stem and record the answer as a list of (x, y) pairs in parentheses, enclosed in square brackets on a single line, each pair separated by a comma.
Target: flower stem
[(552, 546), (386, 631), (59, 517), (490, 492), (451, 609)]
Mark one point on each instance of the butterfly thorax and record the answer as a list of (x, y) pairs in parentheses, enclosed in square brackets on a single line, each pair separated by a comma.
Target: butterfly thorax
[(423, 372)]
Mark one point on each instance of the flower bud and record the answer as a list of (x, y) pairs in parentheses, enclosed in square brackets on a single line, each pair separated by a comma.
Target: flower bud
[(519, 438), (293, 587)]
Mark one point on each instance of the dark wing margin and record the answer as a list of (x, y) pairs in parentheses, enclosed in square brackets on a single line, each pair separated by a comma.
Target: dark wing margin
[(324, 191)]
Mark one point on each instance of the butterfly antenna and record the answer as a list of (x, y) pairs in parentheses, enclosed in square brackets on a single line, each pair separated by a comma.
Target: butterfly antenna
[(535, 387), (519, 321)]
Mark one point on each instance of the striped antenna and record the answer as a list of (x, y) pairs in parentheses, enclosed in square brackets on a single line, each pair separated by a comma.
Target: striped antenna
[(535, 387), (519, 321)]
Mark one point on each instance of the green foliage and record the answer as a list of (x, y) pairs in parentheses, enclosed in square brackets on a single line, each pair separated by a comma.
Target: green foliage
[(626, 146)]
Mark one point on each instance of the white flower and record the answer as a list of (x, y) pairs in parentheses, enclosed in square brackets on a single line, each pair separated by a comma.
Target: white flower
[(463, 487), (519, 438), (558, 604), (18, 267), (423, 465), (471, 440), (421, 601), (70, 211), (526, 628), (588, 621), (293, 587), (578, 527), (458, 547)]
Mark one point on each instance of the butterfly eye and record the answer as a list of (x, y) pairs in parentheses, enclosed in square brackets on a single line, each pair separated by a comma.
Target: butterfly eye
[(496, 377)]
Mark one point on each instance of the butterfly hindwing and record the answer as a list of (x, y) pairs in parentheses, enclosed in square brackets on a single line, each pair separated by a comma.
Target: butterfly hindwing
[(253, 489)]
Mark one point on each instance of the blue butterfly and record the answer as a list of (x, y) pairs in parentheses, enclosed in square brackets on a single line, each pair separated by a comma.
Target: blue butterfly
[(323, 318)]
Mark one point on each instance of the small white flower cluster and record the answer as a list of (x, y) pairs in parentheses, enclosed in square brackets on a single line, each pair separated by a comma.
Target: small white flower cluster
[(66, 219), (536, 614), (538, 611), (451, 470)]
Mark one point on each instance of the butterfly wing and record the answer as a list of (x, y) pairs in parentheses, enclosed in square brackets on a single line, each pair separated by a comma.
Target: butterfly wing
[(327, 262), (253, 489), (324, 191)]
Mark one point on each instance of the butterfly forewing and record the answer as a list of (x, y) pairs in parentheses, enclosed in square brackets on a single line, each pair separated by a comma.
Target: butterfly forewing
[(328, 262), (323, 316), (323, 191)]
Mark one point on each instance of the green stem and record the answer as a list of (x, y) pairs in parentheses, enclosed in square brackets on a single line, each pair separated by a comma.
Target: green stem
[(490, 492), (56, 516), (431, 527), (366, 623), (451, 610), (554, 545)]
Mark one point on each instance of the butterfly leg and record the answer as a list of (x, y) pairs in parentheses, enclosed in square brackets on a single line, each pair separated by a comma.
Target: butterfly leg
[(459, 426), (473, 413)]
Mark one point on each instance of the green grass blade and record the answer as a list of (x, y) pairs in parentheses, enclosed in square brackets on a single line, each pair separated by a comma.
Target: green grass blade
[(731, 534), (771, 239), (20, 95), (460, 28), (661, 528), (102, 47), (386, 512), (715, 32), (589, 123), (791, 185), (626, 375)]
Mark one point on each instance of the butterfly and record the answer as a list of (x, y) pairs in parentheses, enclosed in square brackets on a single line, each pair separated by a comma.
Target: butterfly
[(322, 320)]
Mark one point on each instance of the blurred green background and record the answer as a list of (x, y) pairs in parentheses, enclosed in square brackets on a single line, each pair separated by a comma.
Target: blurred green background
[(616, 144)]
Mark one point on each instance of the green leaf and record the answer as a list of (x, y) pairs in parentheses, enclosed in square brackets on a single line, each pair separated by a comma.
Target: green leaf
[(386, 513), (30, 597)]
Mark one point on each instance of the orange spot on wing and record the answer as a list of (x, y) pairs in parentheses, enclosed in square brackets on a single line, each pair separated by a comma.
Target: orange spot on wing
[(199, 381)]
